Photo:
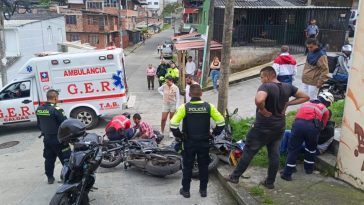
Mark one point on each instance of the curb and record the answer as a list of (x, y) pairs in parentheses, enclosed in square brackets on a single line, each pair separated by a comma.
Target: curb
[(239, 193), (207, 88), (138, 45), (326, 163)]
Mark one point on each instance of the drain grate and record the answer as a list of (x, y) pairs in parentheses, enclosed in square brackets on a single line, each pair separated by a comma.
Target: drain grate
[(8, 144)]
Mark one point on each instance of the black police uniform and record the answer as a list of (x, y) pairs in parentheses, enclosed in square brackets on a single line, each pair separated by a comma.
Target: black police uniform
[(196, 128), (49, 118)]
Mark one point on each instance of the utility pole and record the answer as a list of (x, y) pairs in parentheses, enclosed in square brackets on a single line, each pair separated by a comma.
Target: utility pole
[(206, 63), (2, 50), (226, 56), (120, 26)]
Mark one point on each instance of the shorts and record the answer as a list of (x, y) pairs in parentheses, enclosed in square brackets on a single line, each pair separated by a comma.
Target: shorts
[(167, 107)]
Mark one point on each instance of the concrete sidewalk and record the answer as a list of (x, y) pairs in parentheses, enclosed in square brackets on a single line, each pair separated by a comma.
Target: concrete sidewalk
[(303, 190), (252, 72)]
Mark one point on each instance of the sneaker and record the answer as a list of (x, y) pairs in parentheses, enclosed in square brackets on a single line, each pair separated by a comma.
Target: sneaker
[(294, 170), (171, 135), (203, 193), (185, 194), (285, 177), (231, 179), (266, 185), (51, 180)]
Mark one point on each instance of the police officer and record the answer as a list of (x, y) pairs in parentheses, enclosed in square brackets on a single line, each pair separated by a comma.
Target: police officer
[(49, 118), (196, 135), (311, 118)]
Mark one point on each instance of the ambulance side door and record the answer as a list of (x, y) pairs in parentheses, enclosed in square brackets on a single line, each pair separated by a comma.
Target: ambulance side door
[(16, 102)]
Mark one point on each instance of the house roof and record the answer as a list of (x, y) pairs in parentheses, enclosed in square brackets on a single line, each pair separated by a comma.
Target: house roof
[(190, 11), (272, 4), (36, 16), (196, 45), (17, 23), (189, 35)]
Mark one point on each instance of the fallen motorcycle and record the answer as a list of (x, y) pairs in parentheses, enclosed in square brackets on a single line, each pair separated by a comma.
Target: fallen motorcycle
[(147, 156), (78, 174), (335, 87)]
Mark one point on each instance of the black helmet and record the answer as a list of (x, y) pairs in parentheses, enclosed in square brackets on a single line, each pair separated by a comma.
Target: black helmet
[(70, 129), (126, 114)]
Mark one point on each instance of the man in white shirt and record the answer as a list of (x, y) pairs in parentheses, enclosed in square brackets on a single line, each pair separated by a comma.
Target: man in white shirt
[(189, 82), (190, 66)]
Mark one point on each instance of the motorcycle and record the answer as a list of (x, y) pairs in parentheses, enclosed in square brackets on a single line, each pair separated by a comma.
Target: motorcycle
[(335, 87), (78, 174), (143, 154), (147, 156)]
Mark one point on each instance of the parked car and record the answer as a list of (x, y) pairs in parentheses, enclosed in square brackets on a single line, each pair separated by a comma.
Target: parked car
[(352, 22), (167, 52), (167, 43)]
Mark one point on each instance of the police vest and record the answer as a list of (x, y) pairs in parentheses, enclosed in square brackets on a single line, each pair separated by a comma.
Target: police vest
[(47, 121), (196, 124)]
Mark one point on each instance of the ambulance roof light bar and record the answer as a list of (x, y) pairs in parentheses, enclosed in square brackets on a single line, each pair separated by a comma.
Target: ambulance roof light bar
[(50, 53)]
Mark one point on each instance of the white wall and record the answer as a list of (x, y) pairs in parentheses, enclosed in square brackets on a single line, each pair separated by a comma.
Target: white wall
[(37, 37)]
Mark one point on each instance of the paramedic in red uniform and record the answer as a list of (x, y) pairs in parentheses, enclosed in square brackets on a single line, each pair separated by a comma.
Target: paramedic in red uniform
[(116, 128), (311, 118)]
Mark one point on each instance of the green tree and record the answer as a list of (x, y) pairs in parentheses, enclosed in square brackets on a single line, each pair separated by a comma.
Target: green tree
[(170, 8)]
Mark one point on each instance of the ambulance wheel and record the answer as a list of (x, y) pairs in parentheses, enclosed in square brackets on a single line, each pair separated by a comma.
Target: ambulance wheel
[(87, 116)]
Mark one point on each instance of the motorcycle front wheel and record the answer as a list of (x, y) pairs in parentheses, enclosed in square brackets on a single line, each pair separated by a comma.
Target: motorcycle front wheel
[(214, 160), (67, 198), (111, 159)]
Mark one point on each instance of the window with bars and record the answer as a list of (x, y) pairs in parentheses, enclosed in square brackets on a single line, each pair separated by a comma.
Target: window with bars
[(93, 39), (92, 20), (74, 37), (71, 19), (94, 5)]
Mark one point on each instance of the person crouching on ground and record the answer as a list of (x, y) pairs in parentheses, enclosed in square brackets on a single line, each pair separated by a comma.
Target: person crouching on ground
[(271, 100), (311, 118), (145, 129), (119, 127), (196, 136), (285, 66)]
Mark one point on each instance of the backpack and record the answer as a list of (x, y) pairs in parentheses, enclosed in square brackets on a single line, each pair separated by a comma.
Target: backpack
[(332, 61)]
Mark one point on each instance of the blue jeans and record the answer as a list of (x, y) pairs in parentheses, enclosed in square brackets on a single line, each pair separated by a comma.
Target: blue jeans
[(215, 75), (285, 79)]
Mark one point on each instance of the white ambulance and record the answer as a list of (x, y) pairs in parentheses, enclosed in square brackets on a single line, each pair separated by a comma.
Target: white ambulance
[(90, 84)]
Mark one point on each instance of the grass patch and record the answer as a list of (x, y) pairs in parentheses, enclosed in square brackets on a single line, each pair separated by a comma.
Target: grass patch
[(166, 26), (267, 200), (337, 110), (257, 191)]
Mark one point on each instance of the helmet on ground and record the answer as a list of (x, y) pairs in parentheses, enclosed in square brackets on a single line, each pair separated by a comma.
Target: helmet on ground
[(126, 114), (327, 97), (70, 130), (347, 48)]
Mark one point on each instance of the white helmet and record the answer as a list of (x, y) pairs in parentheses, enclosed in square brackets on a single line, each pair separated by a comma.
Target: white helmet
[(347, 48), (327, 96)]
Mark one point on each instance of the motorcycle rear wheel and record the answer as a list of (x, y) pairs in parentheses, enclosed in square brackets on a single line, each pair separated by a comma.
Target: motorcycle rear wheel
[(67, 199)]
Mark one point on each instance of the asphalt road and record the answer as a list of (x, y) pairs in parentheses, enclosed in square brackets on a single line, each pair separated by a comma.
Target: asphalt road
[(22, 181)]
